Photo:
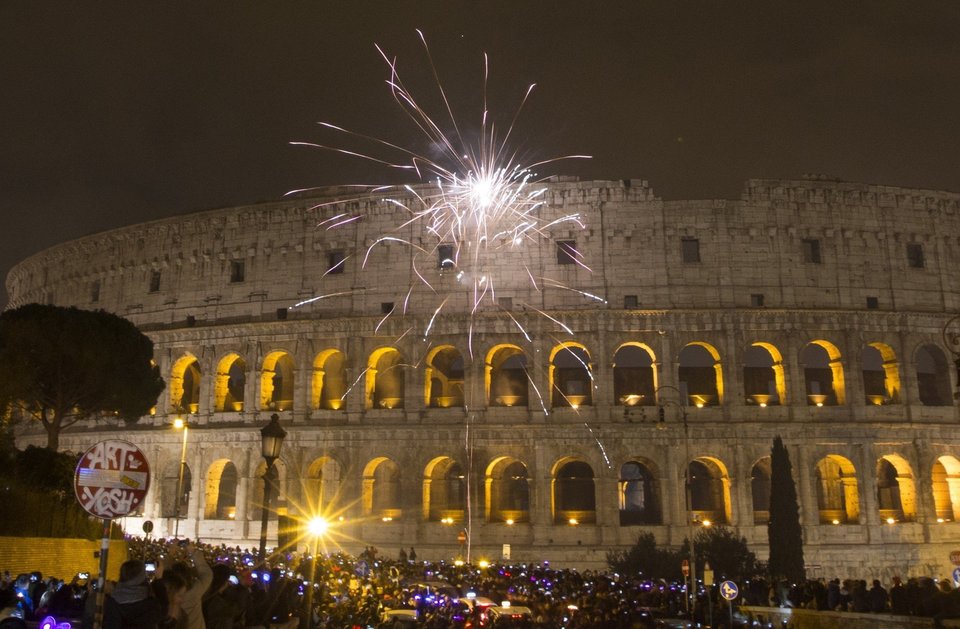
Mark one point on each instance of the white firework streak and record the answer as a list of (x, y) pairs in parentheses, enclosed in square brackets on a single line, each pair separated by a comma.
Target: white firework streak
[(483, 200)]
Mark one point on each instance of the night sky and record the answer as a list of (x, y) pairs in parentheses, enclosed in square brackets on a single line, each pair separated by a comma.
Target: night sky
[(112, 113)]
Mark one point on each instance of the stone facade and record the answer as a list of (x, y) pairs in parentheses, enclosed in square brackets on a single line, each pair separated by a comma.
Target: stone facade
[(736, 318)]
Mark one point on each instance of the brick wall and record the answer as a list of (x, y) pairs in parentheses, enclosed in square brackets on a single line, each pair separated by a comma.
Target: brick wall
[(62, 558)]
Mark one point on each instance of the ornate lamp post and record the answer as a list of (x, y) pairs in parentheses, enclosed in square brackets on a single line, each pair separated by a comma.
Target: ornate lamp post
[(317, 527), (271, 440), (179, 423), (661, 424)]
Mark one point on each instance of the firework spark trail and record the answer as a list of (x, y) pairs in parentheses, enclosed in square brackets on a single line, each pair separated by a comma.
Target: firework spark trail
[(484, 202)]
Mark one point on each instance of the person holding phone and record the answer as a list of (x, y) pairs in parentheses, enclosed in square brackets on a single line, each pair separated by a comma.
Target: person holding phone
[(198, 578)]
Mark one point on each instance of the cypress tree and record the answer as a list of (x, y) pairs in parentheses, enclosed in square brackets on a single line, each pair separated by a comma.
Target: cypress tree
[(783, 531)]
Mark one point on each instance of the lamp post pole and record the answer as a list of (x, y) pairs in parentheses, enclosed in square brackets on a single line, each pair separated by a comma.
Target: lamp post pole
[(317, 526), (271, 437), (692, 583), (180, 423)]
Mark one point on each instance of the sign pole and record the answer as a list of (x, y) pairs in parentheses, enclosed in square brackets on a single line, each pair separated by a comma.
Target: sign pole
[(102, 577)]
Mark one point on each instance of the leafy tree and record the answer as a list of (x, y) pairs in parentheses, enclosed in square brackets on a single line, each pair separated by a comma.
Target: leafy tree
[(61, 365), (784, 531), (729, 555), (644, 558), (37, 498)]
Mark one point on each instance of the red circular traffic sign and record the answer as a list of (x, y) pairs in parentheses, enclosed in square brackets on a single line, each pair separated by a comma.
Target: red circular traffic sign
[(112, 479)]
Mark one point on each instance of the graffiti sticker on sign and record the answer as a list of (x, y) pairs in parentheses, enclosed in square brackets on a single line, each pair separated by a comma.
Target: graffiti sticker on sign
[(112, 479)]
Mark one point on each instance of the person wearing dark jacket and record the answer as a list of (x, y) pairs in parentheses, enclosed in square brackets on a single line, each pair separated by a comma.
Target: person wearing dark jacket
[(219, 610), (130, 605), (877, 598)]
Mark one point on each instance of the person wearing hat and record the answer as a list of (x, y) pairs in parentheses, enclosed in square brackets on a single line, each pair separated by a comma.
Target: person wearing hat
[(130, 604)]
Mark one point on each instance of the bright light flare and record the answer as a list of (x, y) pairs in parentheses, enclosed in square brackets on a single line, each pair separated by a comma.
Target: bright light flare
[(318, 526)]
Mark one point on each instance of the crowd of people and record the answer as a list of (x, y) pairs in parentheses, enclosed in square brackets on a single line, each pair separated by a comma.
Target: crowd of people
[(168, 584)]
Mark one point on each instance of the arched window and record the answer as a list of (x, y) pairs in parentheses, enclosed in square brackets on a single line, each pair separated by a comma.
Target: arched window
[(709, 491), (571, 380), (185, 385), (444, 378), (701, 375), (933, 379), (634, 376), (574, 497), (381, 490), (168, 491), (278, 500), (823, 374), (760, 490), (763, 378), (385, 381), (506, 376), (507, 493), (639, 495), (896, 494), (323, 486), (881, 375), (230, 384), (221, 491), (946, 488), (444, 491), (838, 497), (329, 380), (276, 382)]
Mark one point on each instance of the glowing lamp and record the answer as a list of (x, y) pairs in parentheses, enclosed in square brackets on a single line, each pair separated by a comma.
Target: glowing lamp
[(271, 439), (458, 562), (761, 399), (891, 521), (483, 563), (836, 522), (178, 423), (509, 522), (940, 520), (817, 399), (318, 526), (386, 518), (707, 523), (573, 522), (876, 400)]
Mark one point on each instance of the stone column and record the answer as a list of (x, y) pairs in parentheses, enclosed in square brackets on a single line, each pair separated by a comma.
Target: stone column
[(869, 513)]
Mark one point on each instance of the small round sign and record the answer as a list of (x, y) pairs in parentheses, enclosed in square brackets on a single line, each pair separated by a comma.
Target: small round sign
[(955, 557), (729, 590), (112, 479)]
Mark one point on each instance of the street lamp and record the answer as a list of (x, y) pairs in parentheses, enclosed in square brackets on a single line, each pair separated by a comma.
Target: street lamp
[(661, 424), (179, 423), (317, 527), (271, 440)]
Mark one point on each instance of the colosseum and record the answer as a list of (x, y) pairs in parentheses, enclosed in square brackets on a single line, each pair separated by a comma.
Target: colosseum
[(657, 341)]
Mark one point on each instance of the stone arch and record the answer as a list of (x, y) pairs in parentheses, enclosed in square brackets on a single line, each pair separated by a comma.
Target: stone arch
[(933, 378), (639, 493), (634, 375), (709, 490), (507, 494), (881, 374), (168, 490), (823, 374), (505, 376), (329, 386), (946, 488), (220, 494), (381, 496), (277, 381), (700, 374), (573, 493), (230, 384), (570, 376), (185, 384), (443, 378), (278, 501), (764, 379), (896, 490), (385, 379), (323, 485), (838, 496), (760, 490), (444, 490)]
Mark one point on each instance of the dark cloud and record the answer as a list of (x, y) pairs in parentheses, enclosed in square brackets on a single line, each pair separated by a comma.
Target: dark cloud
[(115, 112)]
